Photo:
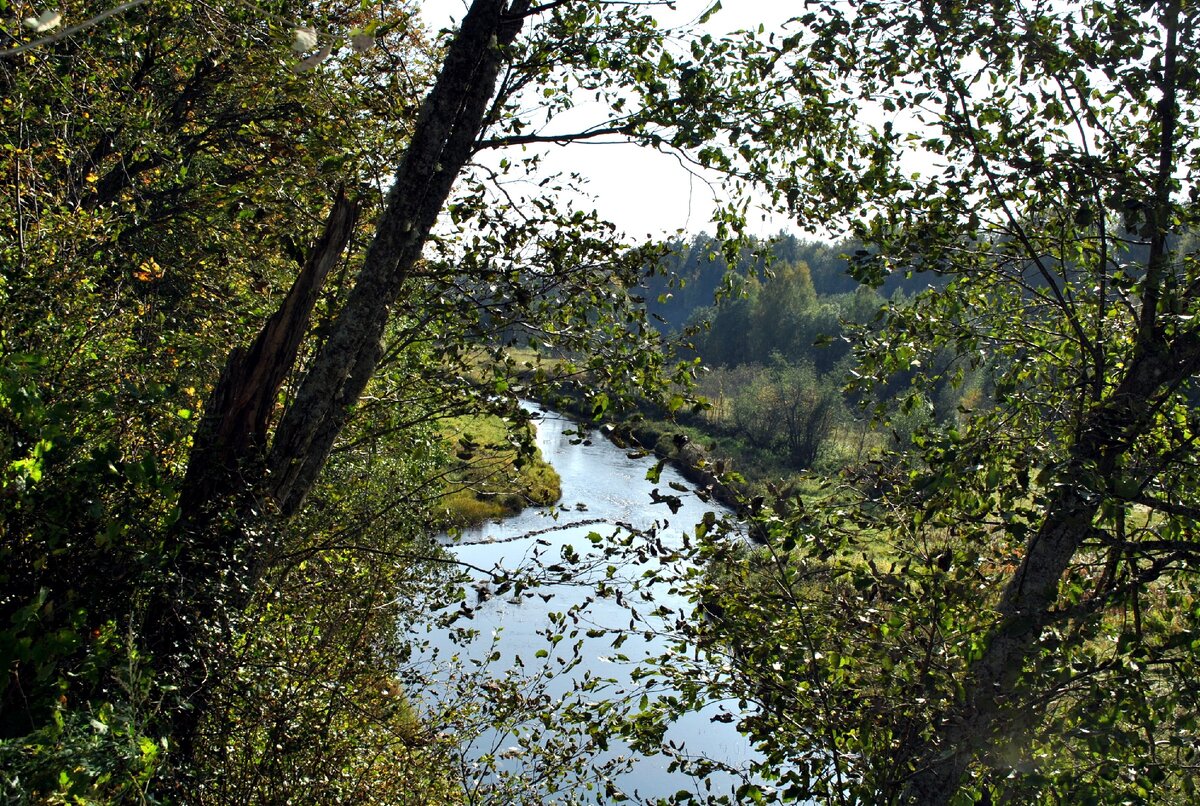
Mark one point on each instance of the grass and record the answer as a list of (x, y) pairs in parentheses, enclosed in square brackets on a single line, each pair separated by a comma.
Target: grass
[(760, 465), (490, 478)]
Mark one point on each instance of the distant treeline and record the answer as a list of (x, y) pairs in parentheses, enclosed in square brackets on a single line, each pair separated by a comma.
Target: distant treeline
[(774, 328), (784, 297)]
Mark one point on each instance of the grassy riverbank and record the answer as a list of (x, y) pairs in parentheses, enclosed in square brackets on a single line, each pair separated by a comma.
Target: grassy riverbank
[(489, 477), (706, 449)]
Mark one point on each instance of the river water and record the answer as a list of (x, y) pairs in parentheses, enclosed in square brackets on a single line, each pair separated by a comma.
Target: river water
[(523, 643)]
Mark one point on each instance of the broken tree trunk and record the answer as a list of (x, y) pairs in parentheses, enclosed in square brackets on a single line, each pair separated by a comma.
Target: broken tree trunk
[(450, 123), (237, 416), (237, 493)]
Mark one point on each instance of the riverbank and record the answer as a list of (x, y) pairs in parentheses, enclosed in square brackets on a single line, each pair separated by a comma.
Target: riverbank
[(723, 467), (488, 476), (722, 463), (683, 448)]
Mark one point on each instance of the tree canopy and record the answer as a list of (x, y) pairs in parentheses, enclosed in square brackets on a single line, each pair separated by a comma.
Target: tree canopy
[(180, 182), (1040, 156), (251, 255)]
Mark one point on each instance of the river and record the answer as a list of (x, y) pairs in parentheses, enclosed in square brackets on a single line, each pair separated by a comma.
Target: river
[(555, 644)]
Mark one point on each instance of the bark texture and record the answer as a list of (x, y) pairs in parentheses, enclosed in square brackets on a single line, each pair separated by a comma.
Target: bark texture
[(1028, 602), (449, 125)]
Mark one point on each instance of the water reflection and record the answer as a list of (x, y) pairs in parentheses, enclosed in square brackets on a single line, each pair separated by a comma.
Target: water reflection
[(547, 643)]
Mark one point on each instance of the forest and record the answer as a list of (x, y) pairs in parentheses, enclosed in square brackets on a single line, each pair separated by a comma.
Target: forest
[(277, 277)]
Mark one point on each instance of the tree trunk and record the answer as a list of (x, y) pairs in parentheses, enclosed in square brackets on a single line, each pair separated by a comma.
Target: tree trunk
[(444, 139), (1109, 431), (984, 713), (232, 480)]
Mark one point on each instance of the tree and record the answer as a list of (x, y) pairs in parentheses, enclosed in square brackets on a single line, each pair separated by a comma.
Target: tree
[(787, 299), (1028, 632), (155, 159), (160, 180), (789, 408)]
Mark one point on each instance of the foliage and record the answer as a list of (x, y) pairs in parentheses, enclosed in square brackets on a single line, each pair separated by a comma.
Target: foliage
[(197, 609), (166, 173), (1037, 627), (159, 181)]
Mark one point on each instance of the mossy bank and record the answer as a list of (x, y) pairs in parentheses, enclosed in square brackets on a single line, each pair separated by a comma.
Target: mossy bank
[(493, 472)]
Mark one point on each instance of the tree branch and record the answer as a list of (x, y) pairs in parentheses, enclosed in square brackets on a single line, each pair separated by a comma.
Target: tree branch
[(70, 29), (1161, 213), (627, 130)]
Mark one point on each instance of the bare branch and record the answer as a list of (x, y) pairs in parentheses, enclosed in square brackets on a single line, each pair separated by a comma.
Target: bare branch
[(71, 29), (560, 139)]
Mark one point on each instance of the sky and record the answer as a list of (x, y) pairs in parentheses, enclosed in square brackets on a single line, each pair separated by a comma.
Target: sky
[(643, 192)]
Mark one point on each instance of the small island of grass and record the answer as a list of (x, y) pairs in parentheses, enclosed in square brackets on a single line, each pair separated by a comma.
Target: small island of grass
[(491, 477)]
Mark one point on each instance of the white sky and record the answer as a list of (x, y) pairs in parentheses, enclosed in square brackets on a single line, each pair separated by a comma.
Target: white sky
[(641, 191)]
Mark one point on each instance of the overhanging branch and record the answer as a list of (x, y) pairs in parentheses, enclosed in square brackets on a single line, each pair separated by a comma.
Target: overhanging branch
[(627, 130)]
